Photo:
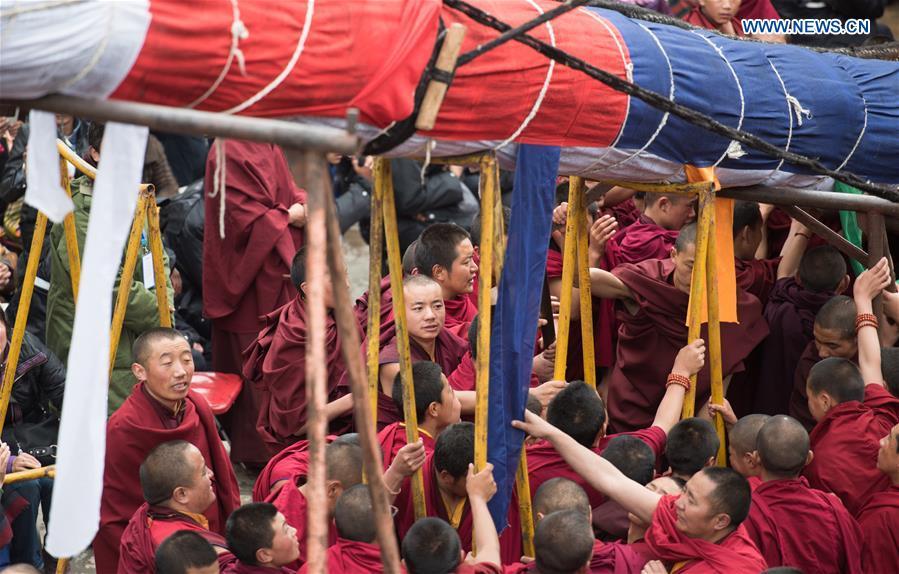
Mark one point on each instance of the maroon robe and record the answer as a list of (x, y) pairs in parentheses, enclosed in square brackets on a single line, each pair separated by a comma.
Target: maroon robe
[(132, 432), (393, 437), (697, 18), (735, 554), (785, 512), (238, 567), (790, 313), (845, 443), (608, 558), (649, 340), (879, 523), (246, 274), (460, 312), (798, 396), (509, 540), (625, 213), (276, 364), (349, 557), (292, 504), (448, 352), (387, 328), (291, 464), (757, 276), (149, 527)]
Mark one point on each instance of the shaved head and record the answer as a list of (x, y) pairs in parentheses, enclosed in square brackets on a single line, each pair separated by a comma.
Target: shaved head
[(354, 516), (838, 314), (166, 468), (839, 378), (685, 238), (560, 494), (783, 446), (344, 461), (563, 542), (418, 280), (745, 433), (143, 345)]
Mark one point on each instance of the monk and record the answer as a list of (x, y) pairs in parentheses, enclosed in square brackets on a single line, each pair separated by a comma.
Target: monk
[(161, 408), (186, 552), (833, 336), (290, 465), (879, 517), (433, 545), (563, 542), (579, 412), (177, 489), (246, 265), (692, 445), (444, 474), (445, 254), (261, 539), (654, 296), (436, 407), (636, 529), (637, 461), (702, 528), (790, 313), (344, 470), (741, 447), (357, 550), (853, 409), (717, 15), (428, 341), (275, 365), (563, 495), (790, 523), (387, 327), (654, 233)]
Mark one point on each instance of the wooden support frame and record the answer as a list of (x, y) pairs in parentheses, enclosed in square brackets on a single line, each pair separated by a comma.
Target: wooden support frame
[(569, 259), (382, 173), (488, 184), (579, 188), (436, 90), (697, 287), (827, 234)]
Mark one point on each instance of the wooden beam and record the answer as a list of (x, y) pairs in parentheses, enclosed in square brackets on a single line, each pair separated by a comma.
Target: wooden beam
[(714, 330), (786, 196), (382, 173), (436, 90), (697, 287), (578, 189), (826, 233), (488, 191), (154, 238), (569, 261), (876, 237)]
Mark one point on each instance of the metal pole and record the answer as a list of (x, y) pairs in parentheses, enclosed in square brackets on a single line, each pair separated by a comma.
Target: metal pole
[(198, 123), (382, 173), (159, 276), (485, 283), (586, 298)]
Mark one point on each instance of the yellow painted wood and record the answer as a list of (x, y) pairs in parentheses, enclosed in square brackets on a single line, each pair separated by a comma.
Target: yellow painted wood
[(132, 255), (488, 179), (159, 277), (569, 260), (586, 299), (382, 173), (70, 235), (697, 286)]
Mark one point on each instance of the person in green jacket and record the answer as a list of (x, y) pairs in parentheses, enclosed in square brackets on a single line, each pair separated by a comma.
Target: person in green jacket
[(140, 314)]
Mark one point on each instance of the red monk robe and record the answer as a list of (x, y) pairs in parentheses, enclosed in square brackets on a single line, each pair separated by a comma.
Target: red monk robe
[(246, 273), (289, 464), (349, 557), (448, 352), (879, 523), (798, 397), (794, 525), (393, 437), (460, 312), (625, 213), (387, 328), (150, 526), (735, 554), (697, 18), (238, 567), (790, 313), (608, 558), (845, 443), (132, 432), (275, 364), (757, 276), (649, 340), (292, 504), (509, 540)]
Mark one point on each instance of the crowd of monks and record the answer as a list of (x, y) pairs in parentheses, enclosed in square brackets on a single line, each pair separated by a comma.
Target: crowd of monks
[(620, 483)]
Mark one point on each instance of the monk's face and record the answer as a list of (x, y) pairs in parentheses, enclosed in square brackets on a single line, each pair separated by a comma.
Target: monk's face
[(720, 11), (887, 457), (168, 370), (697, 516), (661, 485), (818, 403), (683, 267), (831, 343), (199, 494), (328, 291), (450, 409), (459, 278), (425, 312), (285, 546), (675, 212)]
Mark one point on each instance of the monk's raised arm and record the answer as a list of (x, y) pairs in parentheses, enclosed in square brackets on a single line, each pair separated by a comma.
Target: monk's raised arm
[(597, 471), (793, 250), (606, 286), (867, 286), (689, 361)]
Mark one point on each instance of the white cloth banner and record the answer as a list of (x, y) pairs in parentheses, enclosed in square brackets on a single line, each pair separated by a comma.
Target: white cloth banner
[(75, 512), (45, 192)]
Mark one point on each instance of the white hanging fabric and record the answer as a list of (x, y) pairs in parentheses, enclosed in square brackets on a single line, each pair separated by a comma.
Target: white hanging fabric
[(44, 191)]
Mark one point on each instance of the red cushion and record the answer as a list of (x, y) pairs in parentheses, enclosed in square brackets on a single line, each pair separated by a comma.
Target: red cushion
[(219, 389)]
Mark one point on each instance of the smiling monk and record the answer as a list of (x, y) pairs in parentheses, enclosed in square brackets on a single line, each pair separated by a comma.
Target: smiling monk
[(160, 409)]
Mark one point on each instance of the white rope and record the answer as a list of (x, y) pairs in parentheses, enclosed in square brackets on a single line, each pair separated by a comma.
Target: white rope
[(545, 88), (860, 135), (386, 129), (307, 25), (797, 108), (238, 32), (218, 181), (790, 109), (429, 145)]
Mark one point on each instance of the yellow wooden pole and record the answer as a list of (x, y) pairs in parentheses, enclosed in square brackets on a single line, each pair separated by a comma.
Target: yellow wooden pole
[(586, 299), (70, 235), (131, 257), (569, 260), (154, 237), (18, 334), (32, 474), (395, 266), (488, 181), (84, 167), (525, 509), (697, 286), (499, 229), (714, 330), (382, 173)]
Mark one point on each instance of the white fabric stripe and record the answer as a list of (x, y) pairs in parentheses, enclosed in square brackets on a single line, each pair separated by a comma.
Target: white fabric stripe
[(75, 512), (44, 191), (301, 44), (545, 88), (238, 32)]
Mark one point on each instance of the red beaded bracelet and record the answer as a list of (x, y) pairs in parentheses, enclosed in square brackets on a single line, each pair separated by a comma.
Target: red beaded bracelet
[(675, 379), (865, 320)]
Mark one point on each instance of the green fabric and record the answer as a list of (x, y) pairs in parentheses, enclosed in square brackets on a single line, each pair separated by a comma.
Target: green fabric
[(849, 222), (140, 314)]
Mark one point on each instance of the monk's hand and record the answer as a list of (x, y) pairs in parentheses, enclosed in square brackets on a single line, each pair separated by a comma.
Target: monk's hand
[(600, 232), (871, 282), (296, 215), (690, 359), (547, 391), (654, 567), (480, 485), (25, 461), (5, 275), (409, 459), (4, 459), (725, 410), (535, 426), (560, 214)]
